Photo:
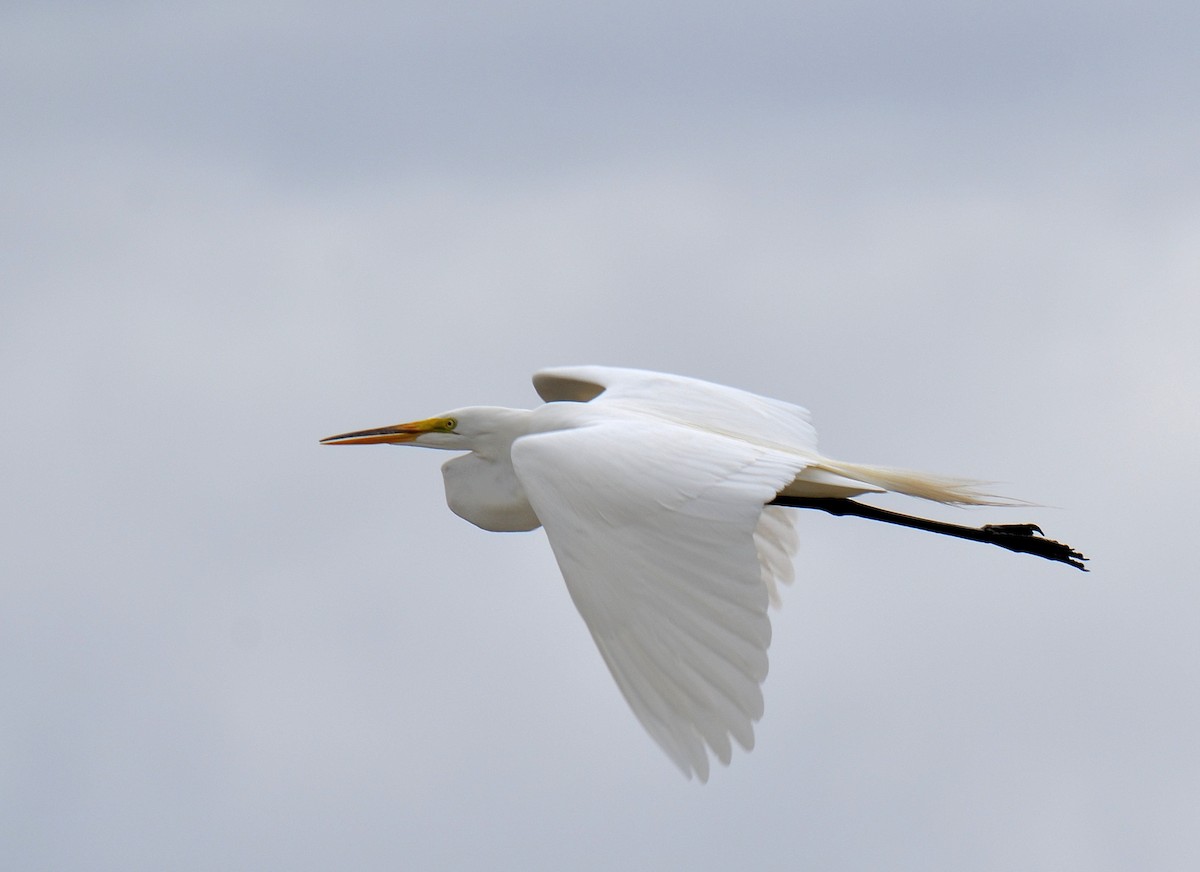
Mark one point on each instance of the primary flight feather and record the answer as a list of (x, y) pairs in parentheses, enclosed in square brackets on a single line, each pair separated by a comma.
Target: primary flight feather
[(653, 490)]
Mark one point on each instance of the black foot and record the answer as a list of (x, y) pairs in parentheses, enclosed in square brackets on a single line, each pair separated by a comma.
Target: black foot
[(1015, 529), (1028, 538)]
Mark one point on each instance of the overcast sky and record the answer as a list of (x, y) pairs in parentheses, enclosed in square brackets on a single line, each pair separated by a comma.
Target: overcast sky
[(966, 235)]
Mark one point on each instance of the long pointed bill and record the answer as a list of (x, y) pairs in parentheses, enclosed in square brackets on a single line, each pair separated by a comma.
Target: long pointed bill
[(397, 433)]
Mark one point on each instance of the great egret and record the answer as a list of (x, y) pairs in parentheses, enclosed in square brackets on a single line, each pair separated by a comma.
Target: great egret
[(656, 494)]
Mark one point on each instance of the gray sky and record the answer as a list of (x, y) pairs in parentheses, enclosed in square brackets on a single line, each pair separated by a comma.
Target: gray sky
[(964, 235)]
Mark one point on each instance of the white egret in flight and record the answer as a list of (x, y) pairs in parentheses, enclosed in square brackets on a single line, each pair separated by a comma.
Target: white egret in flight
[(663, 499)]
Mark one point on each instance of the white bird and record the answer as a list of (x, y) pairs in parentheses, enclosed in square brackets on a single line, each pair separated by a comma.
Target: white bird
[(654, 492)]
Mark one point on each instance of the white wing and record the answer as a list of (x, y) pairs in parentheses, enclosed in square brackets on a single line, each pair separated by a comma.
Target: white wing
[(682, 400), (749, 417), (654, 527), (776, 540)]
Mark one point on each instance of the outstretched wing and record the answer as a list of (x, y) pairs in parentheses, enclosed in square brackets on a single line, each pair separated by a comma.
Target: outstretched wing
[(682, 400), (654, 527), (742, 415)]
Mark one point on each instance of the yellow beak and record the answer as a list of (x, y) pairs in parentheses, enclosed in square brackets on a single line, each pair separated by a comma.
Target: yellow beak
[(395, 434)]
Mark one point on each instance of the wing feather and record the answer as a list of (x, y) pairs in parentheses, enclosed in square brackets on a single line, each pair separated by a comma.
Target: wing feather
[(776, 539), (660, 533), (682, 400)]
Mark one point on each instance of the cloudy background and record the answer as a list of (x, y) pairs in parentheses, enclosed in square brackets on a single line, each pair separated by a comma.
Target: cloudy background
[(966, 235)]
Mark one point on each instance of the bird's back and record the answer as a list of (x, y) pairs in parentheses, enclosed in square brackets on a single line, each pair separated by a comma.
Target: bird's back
[(685, 401)]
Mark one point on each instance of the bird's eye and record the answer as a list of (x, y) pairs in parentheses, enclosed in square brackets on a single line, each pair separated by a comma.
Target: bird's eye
[(449, 424)]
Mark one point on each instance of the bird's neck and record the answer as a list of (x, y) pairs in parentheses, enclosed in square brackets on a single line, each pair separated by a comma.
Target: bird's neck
[(508, 426)]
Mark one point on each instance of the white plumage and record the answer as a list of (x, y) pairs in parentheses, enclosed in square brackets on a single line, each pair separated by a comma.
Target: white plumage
[(652, 490)]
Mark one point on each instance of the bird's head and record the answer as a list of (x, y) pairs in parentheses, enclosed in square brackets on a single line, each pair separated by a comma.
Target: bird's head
[(461, 430)]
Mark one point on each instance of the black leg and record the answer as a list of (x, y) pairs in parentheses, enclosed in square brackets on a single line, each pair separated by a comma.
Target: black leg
[(1025, 538)]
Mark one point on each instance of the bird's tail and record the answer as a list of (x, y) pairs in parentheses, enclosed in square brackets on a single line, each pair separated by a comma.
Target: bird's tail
[(939, 488)]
